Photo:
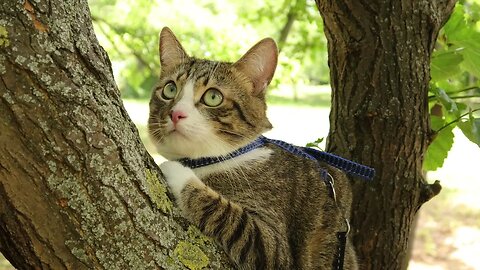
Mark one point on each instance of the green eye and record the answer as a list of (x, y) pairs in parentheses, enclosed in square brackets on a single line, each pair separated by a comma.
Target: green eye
[(169, 91), (212, 97)]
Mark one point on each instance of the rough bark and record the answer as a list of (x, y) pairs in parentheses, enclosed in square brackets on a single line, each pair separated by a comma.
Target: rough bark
[(77, 188), (379, 55)]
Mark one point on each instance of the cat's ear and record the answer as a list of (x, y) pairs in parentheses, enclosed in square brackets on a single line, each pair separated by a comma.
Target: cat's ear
[(259, 64), (171, 51)]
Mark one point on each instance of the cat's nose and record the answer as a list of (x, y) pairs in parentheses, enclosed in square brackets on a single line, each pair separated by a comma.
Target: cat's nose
[(177, 116)]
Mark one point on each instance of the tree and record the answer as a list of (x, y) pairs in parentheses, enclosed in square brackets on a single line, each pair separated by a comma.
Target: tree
[(77, 188), (379, 56)]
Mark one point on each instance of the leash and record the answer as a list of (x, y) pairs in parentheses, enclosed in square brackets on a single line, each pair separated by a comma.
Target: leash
[(338, 162)]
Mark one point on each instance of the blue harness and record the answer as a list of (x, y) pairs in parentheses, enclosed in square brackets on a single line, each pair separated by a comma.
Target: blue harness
[(338, 162), (341, 163)]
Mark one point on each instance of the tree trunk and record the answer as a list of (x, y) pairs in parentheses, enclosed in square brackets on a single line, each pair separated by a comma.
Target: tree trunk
[(379, 56), (77, 188)]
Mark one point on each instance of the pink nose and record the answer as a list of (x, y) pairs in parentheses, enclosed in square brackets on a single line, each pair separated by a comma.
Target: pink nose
[(176, 116)]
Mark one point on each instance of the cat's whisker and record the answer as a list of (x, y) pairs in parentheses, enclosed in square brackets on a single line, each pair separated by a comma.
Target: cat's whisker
[(155, 130), (157, 135), (212, 72)]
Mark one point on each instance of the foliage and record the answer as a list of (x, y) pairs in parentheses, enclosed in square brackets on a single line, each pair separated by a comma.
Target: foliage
[(455, 70), (224, 30), (316, 143), (220, 30)]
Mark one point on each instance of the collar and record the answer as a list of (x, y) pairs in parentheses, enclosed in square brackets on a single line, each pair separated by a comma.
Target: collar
[(341, 163)]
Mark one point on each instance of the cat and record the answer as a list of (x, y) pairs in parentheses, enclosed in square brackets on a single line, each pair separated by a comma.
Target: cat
[(268, 208)]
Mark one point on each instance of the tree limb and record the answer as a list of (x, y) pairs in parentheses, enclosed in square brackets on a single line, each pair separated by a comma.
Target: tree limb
[(77, 188), (429, 191)]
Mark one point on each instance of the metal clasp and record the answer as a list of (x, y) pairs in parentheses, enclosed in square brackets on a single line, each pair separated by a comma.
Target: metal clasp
[(348, 226), (331, 185)]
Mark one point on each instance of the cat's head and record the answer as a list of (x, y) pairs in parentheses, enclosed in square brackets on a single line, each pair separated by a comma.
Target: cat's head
[(208, 108)]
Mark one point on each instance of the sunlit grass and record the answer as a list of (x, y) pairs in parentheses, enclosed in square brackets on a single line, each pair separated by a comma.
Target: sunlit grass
[(4, 264), (300, 96)]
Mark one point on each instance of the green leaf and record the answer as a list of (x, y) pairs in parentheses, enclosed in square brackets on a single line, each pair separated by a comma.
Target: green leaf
[(471, 129), (471, 54), (436, 122), (456, 23), (450, 116), (445, 64), (438, 150), (461, 34), (315, 143), (446, 101)]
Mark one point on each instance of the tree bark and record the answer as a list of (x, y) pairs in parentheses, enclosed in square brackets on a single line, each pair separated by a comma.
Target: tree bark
[(77, 188), (379, 56)]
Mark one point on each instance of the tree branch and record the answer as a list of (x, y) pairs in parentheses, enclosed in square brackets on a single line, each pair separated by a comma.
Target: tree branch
[(458, 91), (429, 191), (291, 16), (446, 6), (135, 53), (78, 189), (456, 120), (467, 96)]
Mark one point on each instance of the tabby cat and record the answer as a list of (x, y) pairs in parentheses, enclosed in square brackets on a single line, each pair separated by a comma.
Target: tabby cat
[(267, 208)]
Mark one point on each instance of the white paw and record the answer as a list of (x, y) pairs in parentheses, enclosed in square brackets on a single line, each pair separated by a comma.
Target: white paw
[(177, 176)]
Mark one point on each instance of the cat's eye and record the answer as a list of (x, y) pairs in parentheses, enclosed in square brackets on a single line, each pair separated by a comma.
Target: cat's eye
[(212, 97), (169, 91)]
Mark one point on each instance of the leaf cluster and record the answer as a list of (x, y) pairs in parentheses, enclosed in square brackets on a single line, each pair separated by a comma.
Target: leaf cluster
[(454, 87), (219, 30)]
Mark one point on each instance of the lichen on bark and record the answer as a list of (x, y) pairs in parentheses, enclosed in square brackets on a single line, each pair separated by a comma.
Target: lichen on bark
[(4, 41), (191, 255), (158, 192)]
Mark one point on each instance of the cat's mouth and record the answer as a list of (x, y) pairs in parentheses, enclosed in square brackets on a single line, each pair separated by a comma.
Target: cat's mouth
[(178, 132)]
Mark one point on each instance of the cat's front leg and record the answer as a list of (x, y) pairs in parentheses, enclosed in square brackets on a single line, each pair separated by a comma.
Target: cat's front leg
[(178, 176), (251, 240)]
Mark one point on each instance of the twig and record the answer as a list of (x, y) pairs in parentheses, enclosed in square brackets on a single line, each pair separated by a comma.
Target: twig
[(469, 96), (458, 91), (456, 120), (429, 191)]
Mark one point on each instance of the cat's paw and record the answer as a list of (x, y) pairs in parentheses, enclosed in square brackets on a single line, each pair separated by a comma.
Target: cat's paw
[(177, 176)]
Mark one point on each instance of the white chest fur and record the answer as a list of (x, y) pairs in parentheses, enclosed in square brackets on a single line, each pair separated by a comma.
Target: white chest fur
[(243, 162)]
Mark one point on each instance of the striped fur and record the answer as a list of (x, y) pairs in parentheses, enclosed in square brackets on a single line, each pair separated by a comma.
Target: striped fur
[(268, 209)]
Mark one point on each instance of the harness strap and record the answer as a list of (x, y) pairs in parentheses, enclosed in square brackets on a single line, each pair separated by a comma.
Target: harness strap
[(205, 161), (340, 254), (338, 259), (341, 163)]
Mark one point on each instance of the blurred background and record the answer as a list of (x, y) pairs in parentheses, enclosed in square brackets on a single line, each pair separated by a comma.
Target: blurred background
[(448, 227)]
